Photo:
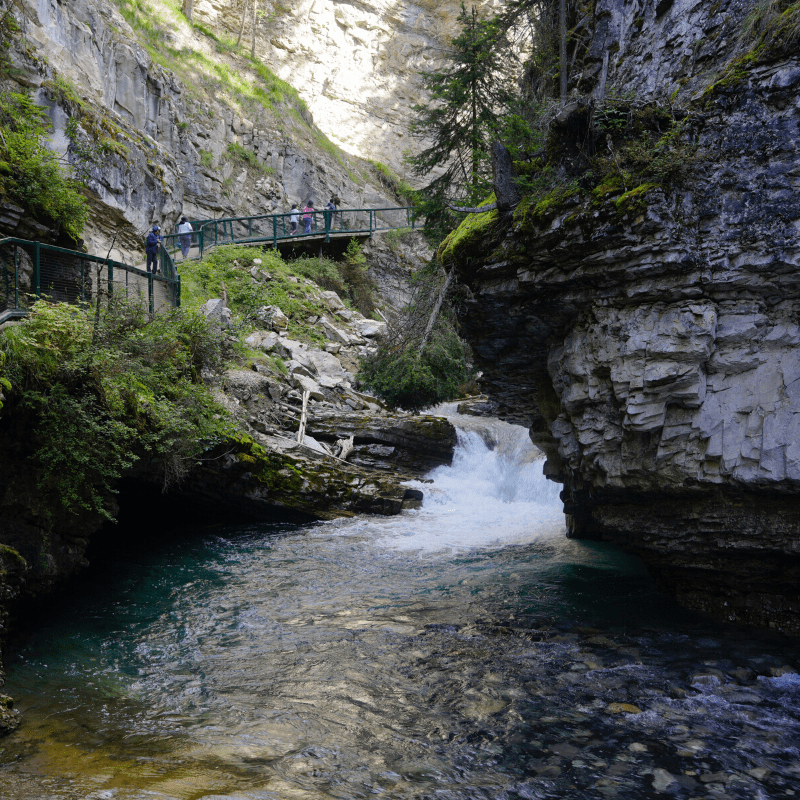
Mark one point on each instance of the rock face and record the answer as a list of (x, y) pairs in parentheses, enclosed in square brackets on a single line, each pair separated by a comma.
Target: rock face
[(653, 349), (169, 147), (356, 64)]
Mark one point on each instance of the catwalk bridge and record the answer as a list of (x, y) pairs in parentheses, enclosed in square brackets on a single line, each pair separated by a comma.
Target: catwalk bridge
[(34, 270)]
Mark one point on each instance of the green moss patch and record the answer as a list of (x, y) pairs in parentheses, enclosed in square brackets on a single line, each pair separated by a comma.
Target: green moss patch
[(468, 235)]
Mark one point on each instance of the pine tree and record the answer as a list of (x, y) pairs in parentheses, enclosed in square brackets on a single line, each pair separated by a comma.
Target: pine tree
[(467, 96)]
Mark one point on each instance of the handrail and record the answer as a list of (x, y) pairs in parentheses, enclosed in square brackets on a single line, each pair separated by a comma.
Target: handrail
[(276, 227), (65, 275)]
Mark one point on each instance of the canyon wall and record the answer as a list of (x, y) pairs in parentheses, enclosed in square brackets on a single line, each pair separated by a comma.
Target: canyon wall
[(356, 64), (649, 338), (187, 128)]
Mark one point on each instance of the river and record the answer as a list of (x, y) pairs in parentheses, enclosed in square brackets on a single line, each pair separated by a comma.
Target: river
[(467, 649)]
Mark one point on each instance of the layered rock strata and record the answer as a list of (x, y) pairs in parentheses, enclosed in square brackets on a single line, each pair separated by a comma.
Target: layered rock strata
[(652, 346), (168, 147)]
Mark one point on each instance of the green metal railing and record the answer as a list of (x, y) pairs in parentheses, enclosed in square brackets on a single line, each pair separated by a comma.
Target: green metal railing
[(32, 270), (274, 228)]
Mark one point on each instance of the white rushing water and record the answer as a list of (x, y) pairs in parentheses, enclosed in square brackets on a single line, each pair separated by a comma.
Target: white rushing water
[(493, 494)]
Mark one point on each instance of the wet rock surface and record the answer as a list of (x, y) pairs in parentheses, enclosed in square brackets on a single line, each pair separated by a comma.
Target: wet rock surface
[(653, 351)]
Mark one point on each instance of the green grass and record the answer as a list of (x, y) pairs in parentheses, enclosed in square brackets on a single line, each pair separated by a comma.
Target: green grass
[(230, 264), (242, 155), (400, 187)]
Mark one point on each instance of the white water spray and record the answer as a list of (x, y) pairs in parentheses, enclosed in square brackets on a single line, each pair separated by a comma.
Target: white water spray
[(494, 494)]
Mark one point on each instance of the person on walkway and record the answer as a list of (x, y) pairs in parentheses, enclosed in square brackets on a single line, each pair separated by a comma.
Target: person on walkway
[(151, 248), (185, 231), (294, 218), (308, 216), (330, 213)]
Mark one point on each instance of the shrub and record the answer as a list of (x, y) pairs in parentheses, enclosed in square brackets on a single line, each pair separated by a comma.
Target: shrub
[(404, 378), (32, 176), (98, 394)]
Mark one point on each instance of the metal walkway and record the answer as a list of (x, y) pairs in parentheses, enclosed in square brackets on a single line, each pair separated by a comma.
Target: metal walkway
[(33, 270), (30, 271), (277, 228)]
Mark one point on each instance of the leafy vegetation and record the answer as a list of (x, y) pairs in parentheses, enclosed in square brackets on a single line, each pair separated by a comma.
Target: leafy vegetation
[(244, 156), (230, 265), (100, 392), (468, 95), (398, 186), (411, 370), (31, 175)]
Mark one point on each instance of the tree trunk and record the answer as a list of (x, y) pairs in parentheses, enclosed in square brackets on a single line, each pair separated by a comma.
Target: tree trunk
[(241, 27), (186, 7), (255, 21), (435, 313), (562, 45), (475, 150)]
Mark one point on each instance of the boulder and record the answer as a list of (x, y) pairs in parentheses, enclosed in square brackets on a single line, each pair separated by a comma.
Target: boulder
[(298, 352), (334, 333), (262, 341), (370, 328), (296, 368), (217, 311), (306, 384), (328, 367), (332, 300), (273, 316)]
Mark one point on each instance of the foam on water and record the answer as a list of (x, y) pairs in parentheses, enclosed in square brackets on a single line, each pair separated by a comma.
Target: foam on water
[(494, 494)]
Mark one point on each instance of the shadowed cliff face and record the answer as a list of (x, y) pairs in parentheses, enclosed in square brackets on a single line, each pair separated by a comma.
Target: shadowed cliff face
[(653, 350)]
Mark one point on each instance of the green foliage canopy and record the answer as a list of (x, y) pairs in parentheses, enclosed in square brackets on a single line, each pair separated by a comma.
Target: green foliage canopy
[(97, 399), (468, 95)]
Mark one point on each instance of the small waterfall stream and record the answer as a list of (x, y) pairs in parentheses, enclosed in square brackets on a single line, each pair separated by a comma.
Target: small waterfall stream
[(463, 650)]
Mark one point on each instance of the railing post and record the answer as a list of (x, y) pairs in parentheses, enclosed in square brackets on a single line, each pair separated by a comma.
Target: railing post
[(83, 280), (178, 293), (16, 279), (110, 268), (201, 240), (274, 232), (370, 223), (150, 292), (249, 227), (328, 218), (37, 271)]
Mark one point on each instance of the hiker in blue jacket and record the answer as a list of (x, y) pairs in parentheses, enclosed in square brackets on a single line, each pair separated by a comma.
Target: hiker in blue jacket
[(151, 248)]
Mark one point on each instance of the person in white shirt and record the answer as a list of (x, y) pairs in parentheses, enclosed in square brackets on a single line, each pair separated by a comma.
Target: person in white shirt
[(185, 231), (294, 218)]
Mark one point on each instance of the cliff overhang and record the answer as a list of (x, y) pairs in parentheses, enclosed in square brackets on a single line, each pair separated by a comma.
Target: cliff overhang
[(648, 336)]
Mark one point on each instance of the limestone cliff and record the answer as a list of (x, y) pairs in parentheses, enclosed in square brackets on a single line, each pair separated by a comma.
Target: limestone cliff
[(356, 64), (179, 122), (649, 337)]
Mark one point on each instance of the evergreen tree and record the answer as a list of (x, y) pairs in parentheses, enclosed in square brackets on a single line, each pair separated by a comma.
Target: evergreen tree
[(467, 96)]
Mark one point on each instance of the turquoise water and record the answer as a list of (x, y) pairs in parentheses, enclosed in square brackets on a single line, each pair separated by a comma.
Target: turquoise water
[(465, 650)]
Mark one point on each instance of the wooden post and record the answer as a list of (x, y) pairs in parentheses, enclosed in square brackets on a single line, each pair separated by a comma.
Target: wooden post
[(301, 433)]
